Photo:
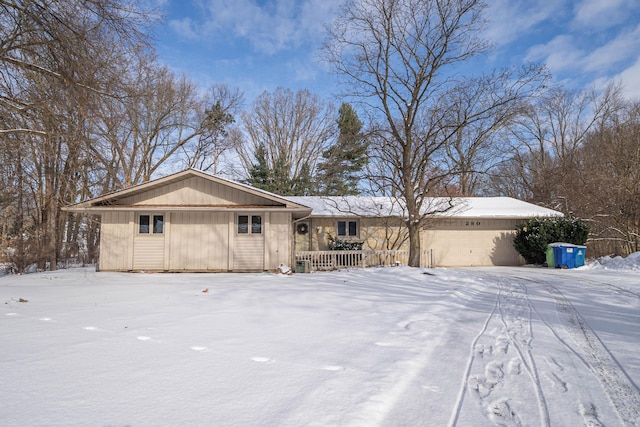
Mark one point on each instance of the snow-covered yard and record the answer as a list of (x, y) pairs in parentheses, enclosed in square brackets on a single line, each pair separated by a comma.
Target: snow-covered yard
[(373, 347)]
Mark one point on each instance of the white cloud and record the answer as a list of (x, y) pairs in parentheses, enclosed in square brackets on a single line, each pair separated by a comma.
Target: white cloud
[(600, 14), (625, 46), (630, 79), (269, 27), (559, 54), (184, 28), (510, 19), (577, 58)]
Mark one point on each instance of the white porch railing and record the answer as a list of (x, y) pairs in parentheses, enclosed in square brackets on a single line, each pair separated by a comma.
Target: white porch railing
[(335, 260)]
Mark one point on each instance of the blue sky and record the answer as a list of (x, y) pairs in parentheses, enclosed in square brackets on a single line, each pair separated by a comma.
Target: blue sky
[(258, 45)]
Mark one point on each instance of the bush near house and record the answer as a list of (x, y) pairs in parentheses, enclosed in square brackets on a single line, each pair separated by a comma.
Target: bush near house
[(533, 236), (344, 245)]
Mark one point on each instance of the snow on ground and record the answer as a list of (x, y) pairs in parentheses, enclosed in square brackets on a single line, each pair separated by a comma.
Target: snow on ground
[(372, 347), (632, 262)]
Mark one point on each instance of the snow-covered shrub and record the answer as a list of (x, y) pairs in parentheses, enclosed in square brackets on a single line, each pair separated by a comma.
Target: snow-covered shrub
[(336, 244), (533, 236)]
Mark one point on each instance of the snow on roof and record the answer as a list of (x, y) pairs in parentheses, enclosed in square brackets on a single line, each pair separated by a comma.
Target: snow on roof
[(461, 207)]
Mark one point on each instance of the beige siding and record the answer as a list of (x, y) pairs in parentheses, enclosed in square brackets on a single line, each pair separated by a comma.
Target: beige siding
[(116, 241), (471, 242), (451, 242), (278, 240), (248, 251), (148, 252), (375, 233), (195, 191), (199, 241)]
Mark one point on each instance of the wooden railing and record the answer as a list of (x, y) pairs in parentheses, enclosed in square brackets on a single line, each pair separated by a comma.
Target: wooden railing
[(336, 260)]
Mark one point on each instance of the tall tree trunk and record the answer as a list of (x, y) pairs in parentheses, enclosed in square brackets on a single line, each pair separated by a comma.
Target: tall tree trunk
[(414, 244)]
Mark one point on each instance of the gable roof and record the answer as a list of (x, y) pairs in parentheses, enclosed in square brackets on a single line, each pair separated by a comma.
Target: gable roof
[(457, 207), (117, 200)]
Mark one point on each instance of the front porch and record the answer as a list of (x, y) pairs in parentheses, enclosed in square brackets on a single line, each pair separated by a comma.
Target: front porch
[(307, 261)]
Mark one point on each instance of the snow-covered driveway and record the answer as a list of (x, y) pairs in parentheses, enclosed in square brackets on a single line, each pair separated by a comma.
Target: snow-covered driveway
[(374, 347), (557, 340)]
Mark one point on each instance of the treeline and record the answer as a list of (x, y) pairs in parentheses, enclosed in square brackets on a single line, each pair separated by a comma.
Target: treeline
[(86, 108)]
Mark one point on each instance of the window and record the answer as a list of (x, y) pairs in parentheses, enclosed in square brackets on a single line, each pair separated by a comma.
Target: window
[(256, 224), (348, 228), (158, 224), (144, 224), (243, 224)]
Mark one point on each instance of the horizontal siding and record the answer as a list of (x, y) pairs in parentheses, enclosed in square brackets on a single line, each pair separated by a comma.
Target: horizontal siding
[(148, 253), (248, 253)]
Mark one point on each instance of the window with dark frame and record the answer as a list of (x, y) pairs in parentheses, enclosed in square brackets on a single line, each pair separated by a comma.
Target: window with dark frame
[(243, 224), (348, 228), (256, 224), (148, 223), (158, 224), (143, 224)]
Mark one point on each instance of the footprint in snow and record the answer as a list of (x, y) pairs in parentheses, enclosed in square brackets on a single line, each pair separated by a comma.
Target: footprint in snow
[(261, 359), (146, 338), (333, 368)]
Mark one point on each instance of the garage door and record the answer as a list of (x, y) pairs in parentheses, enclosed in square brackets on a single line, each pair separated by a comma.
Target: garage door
[(464, 243)]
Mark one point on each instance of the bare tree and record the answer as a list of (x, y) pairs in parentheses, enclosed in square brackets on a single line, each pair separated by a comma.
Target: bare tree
[(157, 114), (399, 58), (286, 132), (483, 107), (214, 140), (608, 191), (547, 139), (59, 60), (64, 41)]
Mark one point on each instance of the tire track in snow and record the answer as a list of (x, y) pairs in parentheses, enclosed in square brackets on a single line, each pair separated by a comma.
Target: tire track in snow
[(472, 356), (500, 350), (594, 355), (622, 393)]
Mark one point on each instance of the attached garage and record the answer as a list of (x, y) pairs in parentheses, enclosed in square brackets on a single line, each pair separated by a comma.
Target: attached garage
[(192, 221), (472, 242), (474, 231)]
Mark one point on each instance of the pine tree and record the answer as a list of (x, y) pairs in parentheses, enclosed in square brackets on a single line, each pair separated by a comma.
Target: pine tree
[(260, 176), (340, 172), (277, 179)]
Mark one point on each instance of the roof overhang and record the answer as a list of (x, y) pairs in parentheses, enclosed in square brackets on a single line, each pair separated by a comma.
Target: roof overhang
[(107, 202)]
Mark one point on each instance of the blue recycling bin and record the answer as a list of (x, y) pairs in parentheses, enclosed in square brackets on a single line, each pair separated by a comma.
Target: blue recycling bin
[(581, 252), (567, 255)]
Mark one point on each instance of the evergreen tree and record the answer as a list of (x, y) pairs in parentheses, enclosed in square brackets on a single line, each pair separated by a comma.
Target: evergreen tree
[(340, 171), (260, 174), (277, 179), (274, 180), (303, 186)]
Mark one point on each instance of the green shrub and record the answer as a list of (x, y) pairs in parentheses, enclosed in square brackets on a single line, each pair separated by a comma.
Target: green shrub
[(344, 245), (533, 236)]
